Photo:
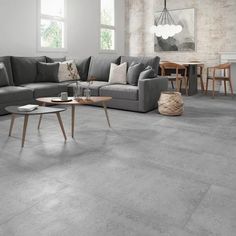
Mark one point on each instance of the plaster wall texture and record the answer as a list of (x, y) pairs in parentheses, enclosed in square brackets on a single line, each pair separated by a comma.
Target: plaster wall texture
[(215, 29)]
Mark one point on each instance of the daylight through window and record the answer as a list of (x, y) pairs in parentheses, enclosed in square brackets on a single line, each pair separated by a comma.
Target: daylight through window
[(52, 24), (107, 32)]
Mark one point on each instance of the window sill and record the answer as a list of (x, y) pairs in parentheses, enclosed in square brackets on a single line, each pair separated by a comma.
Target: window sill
[(107, 52), (56, 50)]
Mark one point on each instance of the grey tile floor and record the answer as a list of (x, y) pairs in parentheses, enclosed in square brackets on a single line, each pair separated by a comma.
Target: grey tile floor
[(147, 175)]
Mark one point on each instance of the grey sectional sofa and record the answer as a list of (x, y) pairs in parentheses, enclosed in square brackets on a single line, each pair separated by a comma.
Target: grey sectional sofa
[(22, 88)]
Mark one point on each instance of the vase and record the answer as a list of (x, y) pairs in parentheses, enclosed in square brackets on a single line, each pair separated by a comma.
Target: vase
[(76, 91), (87, 93)]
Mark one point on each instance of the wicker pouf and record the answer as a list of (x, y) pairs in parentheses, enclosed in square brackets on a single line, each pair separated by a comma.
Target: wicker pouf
[(171, 104)]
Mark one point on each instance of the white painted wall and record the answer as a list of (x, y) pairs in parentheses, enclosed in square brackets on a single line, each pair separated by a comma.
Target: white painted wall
[(18, 26)]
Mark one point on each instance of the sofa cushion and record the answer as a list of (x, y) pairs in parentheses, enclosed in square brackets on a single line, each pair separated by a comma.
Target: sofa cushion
[(118, 74), (147, 61), (25, 69), (133, 73), (46, 89), (15, 93), (95, 86), (4, 81), (147, 73), (120, 91), (58, 59), (47, 72), (83, 67), (100, 66), (7, 63)]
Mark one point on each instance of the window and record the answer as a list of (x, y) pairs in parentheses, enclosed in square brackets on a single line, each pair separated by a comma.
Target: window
[(52, 25), (107, 31)]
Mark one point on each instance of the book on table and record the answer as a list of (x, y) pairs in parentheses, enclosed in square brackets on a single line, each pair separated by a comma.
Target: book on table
[(29, 107)]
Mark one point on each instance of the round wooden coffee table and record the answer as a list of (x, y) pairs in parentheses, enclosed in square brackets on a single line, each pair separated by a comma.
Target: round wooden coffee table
[(39, 111), (83, 101)]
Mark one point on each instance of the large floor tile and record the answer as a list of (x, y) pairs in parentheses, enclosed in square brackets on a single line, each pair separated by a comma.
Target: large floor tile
[(216, 214)]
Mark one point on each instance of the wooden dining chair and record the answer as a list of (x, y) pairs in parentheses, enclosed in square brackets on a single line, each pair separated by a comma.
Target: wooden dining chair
[(221, 72), (175, 73)]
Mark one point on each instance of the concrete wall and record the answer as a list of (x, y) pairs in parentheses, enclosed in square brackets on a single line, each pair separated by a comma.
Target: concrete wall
[(215, 28), (18, 27)]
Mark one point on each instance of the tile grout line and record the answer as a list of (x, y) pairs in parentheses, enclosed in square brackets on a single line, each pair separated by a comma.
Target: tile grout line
[(194, 210)]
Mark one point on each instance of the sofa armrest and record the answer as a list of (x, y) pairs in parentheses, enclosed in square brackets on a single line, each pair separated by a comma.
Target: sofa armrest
[(150, 91)]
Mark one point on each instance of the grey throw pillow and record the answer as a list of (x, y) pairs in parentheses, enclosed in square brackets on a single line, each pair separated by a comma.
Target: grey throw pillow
[(147, 73), (58, 59), (47, 72), (133, 73), (4, 80)]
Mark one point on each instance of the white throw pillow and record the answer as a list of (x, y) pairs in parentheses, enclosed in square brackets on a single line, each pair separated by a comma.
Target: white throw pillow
[(118, 73), (63, 72)]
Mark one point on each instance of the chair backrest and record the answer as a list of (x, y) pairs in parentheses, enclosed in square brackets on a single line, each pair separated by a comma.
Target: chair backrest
[(172, 67), (226, 68)]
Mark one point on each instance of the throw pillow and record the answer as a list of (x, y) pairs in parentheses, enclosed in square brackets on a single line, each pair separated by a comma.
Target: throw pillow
[(4, 80), (47, 72), (58, 59), (133, 73), (64, 74), (118, 73), (147, 73)]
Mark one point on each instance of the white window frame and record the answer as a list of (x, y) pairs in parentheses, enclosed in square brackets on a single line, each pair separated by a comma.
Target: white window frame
[(48, 17), (103, 26)]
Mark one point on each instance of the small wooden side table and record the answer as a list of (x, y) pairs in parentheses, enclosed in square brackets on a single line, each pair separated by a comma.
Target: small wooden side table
[(39, 111)]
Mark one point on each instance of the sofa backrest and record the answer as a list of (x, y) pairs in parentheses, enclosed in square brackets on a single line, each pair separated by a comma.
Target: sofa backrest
[(100, 66), (83, 67), (7, 62), (24, 69), (147, 61)]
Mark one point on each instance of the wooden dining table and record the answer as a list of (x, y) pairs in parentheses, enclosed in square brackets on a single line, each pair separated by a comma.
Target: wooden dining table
[(191, 74)]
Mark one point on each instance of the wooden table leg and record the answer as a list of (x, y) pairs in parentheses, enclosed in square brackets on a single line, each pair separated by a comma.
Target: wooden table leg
[(72, 120), (105, 109), (41, 116), (61, 124), (12, 123), (24, 129)]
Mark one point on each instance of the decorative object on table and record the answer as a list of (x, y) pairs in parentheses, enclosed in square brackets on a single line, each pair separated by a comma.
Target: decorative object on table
[(221, 72), (60, 100), (165, 26), (87, 91), (64, 96), (27, 108), (74, 75), (171, 104), (184, 41)]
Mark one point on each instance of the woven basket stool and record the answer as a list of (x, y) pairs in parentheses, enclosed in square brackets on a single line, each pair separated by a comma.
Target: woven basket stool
[(171, 104)]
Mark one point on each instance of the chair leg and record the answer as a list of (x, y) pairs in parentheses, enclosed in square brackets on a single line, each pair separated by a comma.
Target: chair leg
[(231, 87), (186, 86), (202, 84), (177, 85), (207, 86), (213, 88), (172, 84), (225, 87)]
